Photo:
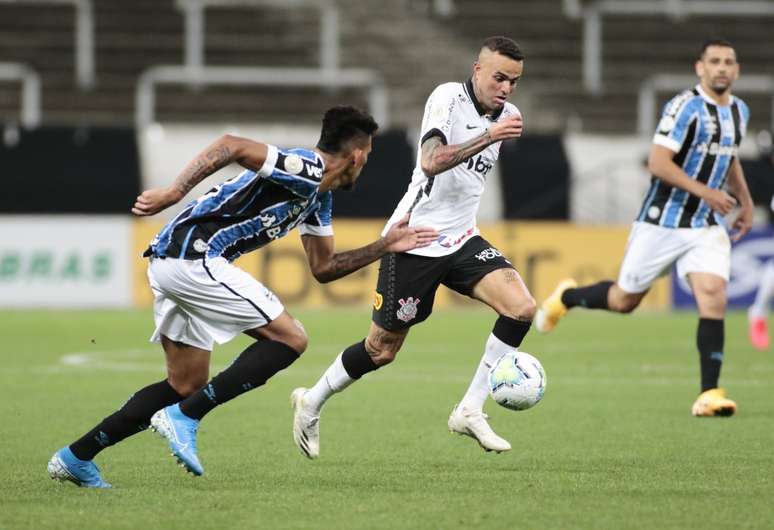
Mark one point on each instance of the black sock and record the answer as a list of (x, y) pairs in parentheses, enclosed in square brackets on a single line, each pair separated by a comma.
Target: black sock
[(510, 330), (709, 340), (254, 366), (591, 296), (356, 360), (132, 418)]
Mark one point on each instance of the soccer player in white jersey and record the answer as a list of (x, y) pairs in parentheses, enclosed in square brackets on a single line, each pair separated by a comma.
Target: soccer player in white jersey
[(693, 160), (201, 298), (463, 127)]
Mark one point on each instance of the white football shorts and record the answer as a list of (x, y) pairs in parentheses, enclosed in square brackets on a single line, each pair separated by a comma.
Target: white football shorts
[(199, 303), (653, 249)]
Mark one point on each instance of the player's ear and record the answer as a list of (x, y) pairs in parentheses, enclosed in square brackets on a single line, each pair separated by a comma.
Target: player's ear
[(357, 157)]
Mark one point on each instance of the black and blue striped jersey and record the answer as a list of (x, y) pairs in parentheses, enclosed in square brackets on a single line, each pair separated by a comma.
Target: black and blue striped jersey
[(251, 209), (705, 137)]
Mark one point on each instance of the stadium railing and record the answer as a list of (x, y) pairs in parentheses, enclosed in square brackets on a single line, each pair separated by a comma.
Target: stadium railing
[(592, 13), (195, 73), (30, 91), (84, 37)]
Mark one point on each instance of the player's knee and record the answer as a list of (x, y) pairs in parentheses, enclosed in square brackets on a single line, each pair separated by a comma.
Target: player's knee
[(298, 340), (187, 385), (380, 352), (522, 309), (624, 305)]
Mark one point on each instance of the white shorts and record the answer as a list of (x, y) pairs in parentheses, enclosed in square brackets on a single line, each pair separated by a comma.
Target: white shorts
[(653, 249), (200, 303)]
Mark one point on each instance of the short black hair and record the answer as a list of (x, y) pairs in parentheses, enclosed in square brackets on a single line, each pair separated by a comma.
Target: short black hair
[(714, 42), (504, 46), (341, 124)]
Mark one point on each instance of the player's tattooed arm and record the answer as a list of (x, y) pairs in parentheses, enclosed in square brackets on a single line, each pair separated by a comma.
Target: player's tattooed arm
[(437, 157), (328, 265), (218, 155)]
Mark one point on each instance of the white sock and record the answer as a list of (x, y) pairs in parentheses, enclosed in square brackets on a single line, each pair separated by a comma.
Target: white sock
[(335, 379), (760, 308), (478, 390)]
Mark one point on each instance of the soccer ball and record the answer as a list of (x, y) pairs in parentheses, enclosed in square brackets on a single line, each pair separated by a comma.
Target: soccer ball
[(517, 381)]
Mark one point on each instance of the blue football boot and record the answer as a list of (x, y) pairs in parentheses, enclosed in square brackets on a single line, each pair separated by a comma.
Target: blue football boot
[(180, 432), (64, 465)]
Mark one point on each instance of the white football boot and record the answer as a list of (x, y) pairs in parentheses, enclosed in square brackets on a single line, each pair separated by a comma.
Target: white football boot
[(306, 425), (473, 423)]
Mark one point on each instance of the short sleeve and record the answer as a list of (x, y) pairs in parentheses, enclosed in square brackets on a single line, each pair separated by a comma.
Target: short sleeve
[(299, 170), (676, 120), (320, 222), (439, 113)]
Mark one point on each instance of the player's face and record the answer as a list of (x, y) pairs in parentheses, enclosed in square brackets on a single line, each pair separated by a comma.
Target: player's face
[(717, 69), (495, 77), (358, 158)]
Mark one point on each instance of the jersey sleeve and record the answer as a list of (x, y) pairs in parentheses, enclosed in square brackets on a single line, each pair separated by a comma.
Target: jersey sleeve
[(675, 121), (298, 170), (320, 223), (439, 114)]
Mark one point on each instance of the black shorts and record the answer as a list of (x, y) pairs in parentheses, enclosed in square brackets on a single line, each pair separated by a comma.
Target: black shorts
[(407, 283)]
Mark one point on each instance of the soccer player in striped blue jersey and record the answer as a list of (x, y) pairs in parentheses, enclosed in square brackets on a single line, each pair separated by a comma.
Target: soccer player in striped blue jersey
[(693, 161), (201, 298)]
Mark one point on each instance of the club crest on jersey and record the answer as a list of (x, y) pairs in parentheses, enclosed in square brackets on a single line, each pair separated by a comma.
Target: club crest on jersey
[(408, 309), (378, 299), (293, 164)]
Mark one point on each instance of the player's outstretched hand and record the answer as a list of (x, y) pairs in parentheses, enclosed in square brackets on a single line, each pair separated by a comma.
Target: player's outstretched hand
[(742, 224), (402, 237), (153, 201), (510, 127), (719, 200)]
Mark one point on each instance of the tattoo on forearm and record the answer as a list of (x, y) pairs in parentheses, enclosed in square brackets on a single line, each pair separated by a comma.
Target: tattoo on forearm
[(344, 263), (438, 157), (203, 166)]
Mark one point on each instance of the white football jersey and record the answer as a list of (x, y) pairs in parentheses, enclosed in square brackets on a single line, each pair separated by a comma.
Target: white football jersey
[(449, 201)]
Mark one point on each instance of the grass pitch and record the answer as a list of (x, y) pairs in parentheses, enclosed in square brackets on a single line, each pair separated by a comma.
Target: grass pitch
[(612, 445)]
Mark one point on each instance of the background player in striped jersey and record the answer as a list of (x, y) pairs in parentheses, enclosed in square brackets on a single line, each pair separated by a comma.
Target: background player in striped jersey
[(201, 298), (693, 159), (463, 126)]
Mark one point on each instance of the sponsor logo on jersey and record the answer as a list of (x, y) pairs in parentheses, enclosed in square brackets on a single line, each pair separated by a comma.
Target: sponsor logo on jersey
[(293, 164), (408, 309), (378, 301), (448, 241), (487, 254), (469, 127), (715, 149), (480, 164), (314, 171)]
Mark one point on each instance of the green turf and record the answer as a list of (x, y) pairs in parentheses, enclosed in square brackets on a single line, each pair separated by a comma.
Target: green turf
[(611, 446)]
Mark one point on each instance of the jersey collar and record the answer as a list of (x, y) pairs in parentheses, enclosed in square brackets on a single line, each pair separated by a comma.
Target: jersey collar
[(472, 95), (708, 99)]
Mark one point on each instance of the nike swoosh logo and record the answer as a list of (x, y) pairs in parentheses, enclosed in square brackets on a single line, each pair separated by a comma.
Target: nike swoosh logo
[(471, 127)]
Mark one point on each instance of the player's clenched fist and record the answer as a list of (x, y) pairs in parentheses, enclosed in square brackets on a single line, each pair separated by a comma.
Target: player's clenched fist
[(510, 127)]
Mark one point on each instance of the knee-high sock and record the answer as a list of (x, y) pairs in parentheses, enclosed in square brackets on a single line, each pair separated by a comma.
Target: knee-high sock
[(710, 337), (590, 296), (130, 419), (760, 307), (254, 366), (351, 364), (506, 336)]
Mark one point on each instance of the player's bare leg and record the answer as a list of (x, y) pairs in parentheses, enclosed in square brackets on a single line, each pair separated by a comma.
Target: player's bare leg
[(378, 349), (504, 291), (710, 293)]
